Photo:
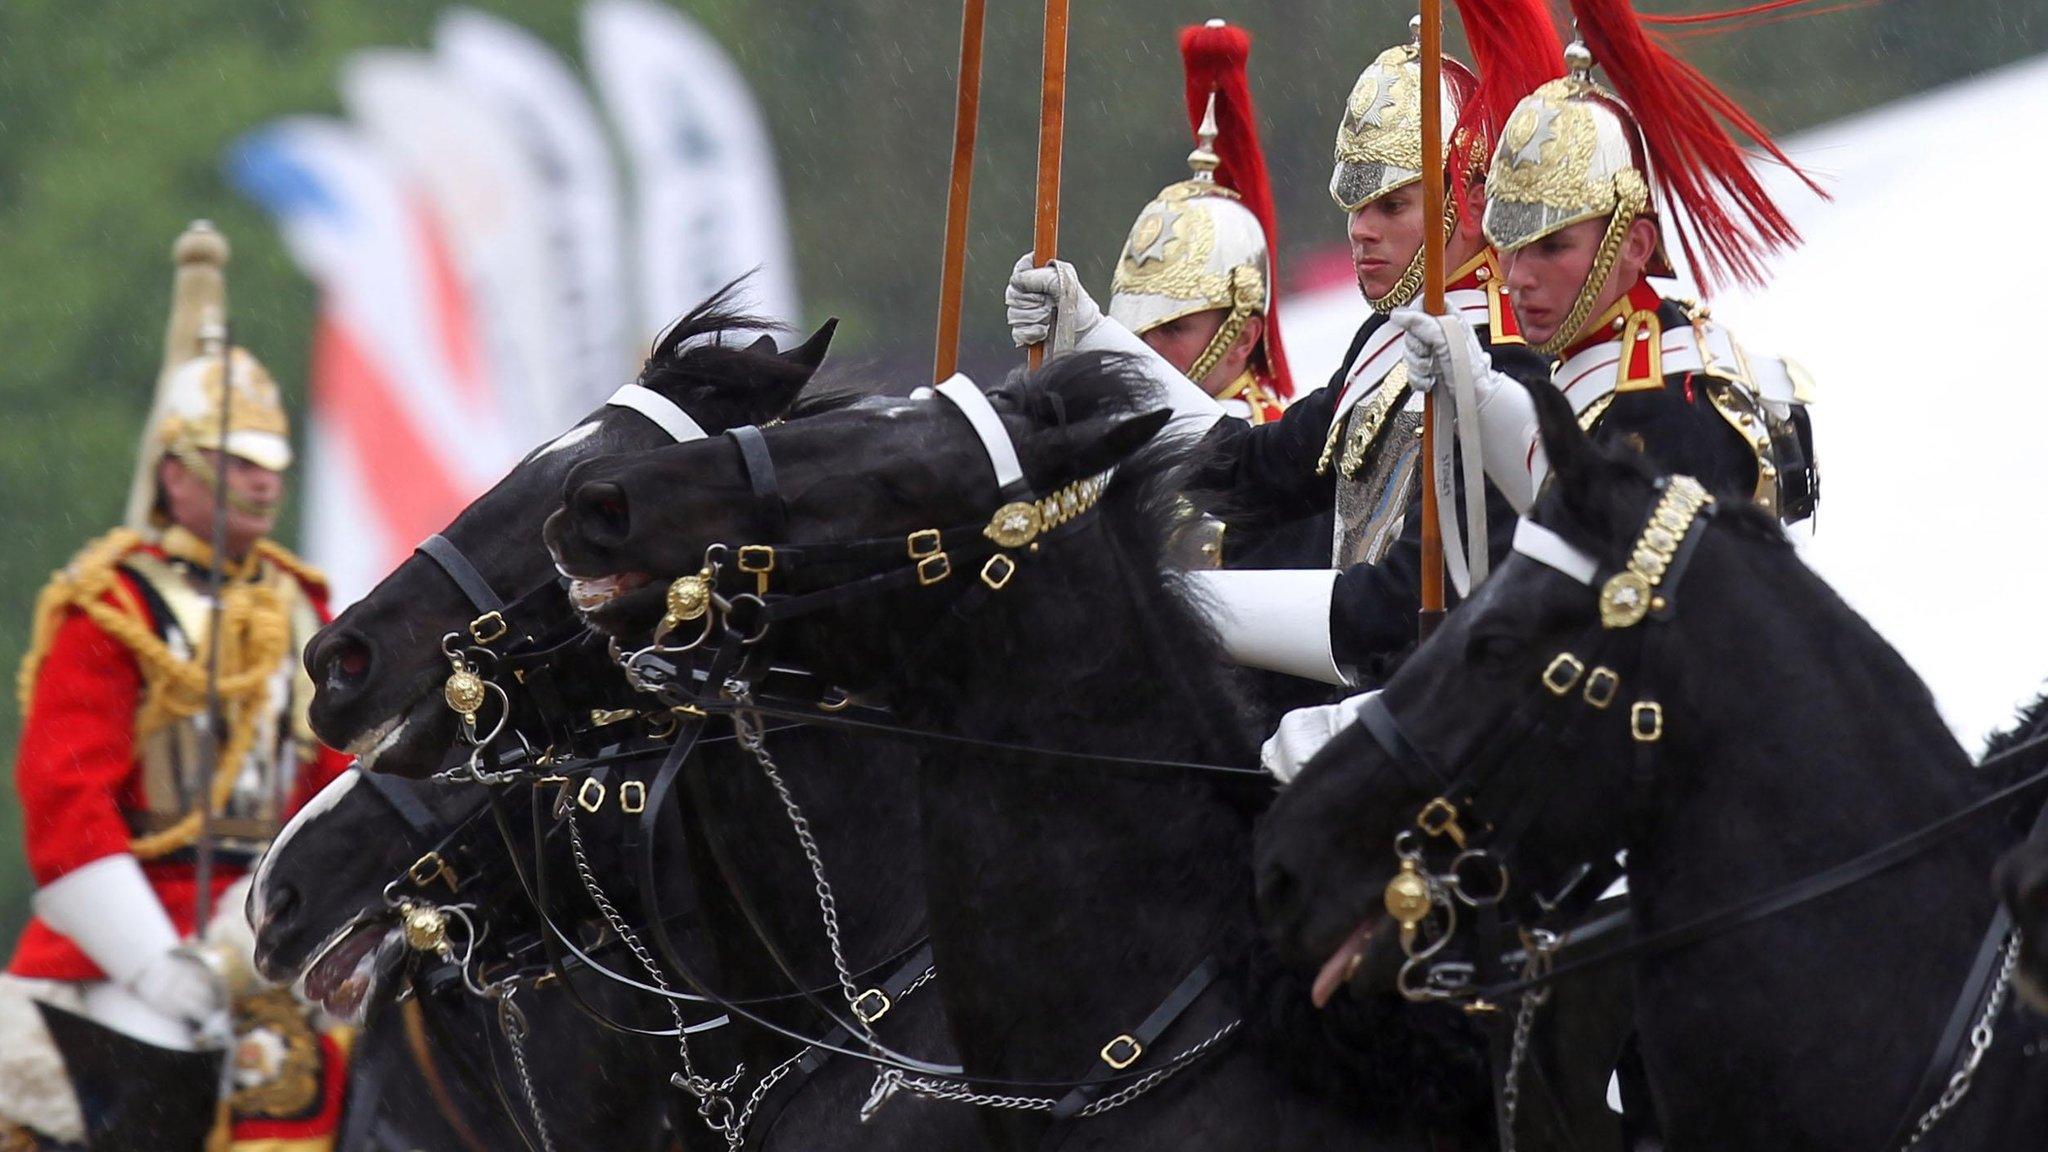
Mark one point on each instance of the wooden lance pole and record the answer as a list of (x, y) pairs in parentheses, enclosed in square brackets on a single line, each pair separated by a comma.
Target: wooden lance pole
[(1052, 123), (966, 121), (1432, 301)]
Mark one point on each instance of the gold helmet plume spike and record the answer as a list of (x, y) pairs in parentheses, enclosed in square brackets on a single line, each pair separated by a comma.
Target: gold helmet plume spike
[(1204, 161), (199, 297)]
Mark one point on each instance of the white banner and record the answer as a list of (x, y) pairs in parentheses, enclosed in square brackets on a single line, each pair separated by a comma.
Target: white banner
[(708, 205), (461, 156), (405, 430), (577, 214)]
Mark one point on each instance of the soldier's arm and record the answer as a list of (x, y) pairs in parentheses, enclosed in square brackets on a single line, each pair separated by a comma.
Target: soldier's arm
[(1266, 473), (77, 750)]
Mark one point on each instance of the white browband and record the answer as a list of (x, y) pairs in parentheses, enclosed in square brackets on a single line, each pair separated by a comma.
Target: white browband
[(995, 439), (1548, 548), (660, 409)]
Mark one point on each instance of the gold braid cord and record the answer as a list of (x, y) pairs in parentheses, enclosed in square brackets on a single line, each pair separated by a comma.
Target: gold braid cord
[(255, 634)]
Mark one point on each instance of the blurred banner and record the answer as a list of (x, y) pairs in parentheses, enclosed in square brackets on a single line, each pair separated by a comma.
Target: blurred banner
[(707, 205), (465, 230)]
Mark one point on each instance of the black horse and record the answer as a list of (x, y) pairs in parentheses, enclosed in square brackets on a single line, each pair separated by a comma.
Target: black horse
[(1751, 732), (379, 670), (1093, 922), (438, 1070)]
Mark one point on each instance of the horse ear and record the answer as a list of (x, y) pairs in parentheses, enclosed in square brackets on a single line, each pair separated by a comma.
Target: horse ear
[(1575, 464), (764, 344), (811, 352), (1092, 446)]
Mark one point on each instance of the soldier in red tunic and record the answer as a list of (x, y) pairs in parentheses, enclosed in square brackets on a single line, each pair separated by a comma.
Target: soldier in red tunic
[(116, 759)]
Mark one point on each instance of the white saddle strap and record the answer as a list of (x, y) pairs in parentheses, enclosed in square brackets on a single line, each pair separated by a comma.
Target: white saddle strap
[(1551, 550), (660, 409), (1457, 417), (995, 439)]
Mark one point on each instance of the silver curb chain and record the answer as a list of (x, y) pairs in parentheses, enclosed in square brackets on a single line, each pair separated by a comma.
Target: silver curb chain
[(1981, 1037), (714, 1104)]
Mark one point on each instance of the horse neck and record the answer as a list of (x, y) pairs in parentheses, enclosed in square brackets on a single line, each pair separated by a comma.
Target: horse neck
[(1068, 900), (1777, 767), (859, 802)]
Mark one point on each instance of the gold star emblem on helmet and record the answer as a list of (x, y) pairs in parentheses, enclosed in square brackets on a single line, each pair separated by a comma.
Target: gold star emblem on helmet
[(1154, 230), (1368, 112), (1542, 131)]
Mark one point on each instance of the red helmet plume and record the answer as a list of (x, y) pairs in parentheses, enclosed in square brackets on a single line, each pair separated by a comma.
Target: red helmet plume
[(1215, 56), (1725, 221)]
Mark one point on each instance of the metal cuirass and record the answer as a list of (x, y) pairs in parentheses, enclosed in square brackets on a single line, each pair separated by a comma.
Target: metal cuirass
[(1376, 471)]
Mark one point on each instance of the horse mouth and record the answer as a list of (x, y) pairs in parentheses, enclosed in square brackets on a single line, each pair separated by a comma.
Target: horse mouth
[(409, 744), (590, 593), (1344, 963), (345, 976)]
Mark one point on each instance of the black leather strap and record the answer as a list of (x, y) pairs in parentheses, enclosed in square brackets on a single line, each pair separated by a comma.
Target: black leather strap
[(906, 974), (760, 468), (1969, 1003), (438, 549), (1170, 1009)]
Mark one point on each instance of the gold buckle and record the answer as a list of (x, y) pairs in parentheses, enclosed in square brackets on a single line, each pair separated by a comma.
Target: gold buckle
[(429, 868), (867, 1014), (997, 571), (933, 568), (924, 542), (632, 797), (490, 622), (1646, 721), (1564, 671), (1124, 1057), (760, 560), (1601, 685), (585, 799), (1439, 817)]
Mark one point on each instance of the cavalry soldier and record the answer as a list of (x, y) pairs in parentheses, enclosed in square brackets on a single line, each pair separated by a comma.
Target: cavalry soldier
[(1353, 445), (1569, 206), (113, 1010), (1195, 278)]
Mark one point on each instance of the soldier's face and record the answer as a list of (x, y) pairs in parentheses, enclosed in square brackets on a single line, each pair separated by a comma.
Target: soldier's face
[(254, 495), (1181, 341), (1385, 234), (1544, 277)]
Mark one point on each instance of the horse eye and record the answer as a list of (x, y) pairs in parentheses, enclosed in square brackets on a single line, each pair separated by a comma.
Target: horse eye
[(1494, 650)]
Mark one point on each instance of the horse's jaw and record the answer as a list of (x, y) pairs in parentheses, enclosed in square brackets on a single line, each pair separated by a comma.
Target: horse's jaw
[(347, 974), (412, 743)]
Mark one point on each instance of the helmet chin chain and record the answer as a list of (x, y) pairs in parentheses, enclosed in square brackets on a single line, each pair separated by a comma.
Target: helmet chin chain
[(1410, 283)]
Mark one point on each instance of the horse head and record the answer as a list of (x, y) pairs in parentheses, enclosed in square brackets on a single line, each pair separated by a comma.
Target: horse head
[(378, 668), (329, 898), (1522, 706), (902, 492)]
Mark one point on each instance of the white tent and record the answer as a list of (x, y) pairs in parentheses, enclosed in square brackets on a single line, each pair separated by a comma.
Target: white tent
[(1910, 303)]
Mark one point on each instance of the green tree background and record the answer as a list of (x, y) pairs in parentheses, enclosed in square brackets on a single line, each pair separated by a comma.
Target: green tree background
[(114, 114)]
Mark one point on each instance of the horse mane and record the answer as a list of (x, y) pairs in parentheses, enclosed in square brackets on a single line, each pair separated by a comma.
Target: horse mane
[(702, 350), (2029, 721)]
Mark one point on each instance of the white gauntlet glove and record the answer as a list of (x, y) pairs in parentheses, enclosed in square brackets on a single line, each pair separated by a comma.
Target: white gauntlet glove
[(1506, 418), (1035, 297), (109, 910)]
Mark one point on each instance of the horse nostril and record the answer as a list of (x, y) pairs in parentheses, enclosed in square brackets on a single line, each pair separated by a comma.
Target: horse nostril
[(1277, 894), (282, 903), (602, 508)]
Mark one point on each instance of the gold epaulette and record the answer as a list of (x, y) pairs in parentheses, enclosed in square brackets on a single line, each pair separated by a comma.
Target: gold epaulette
[(293, 563), (86, 578)]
